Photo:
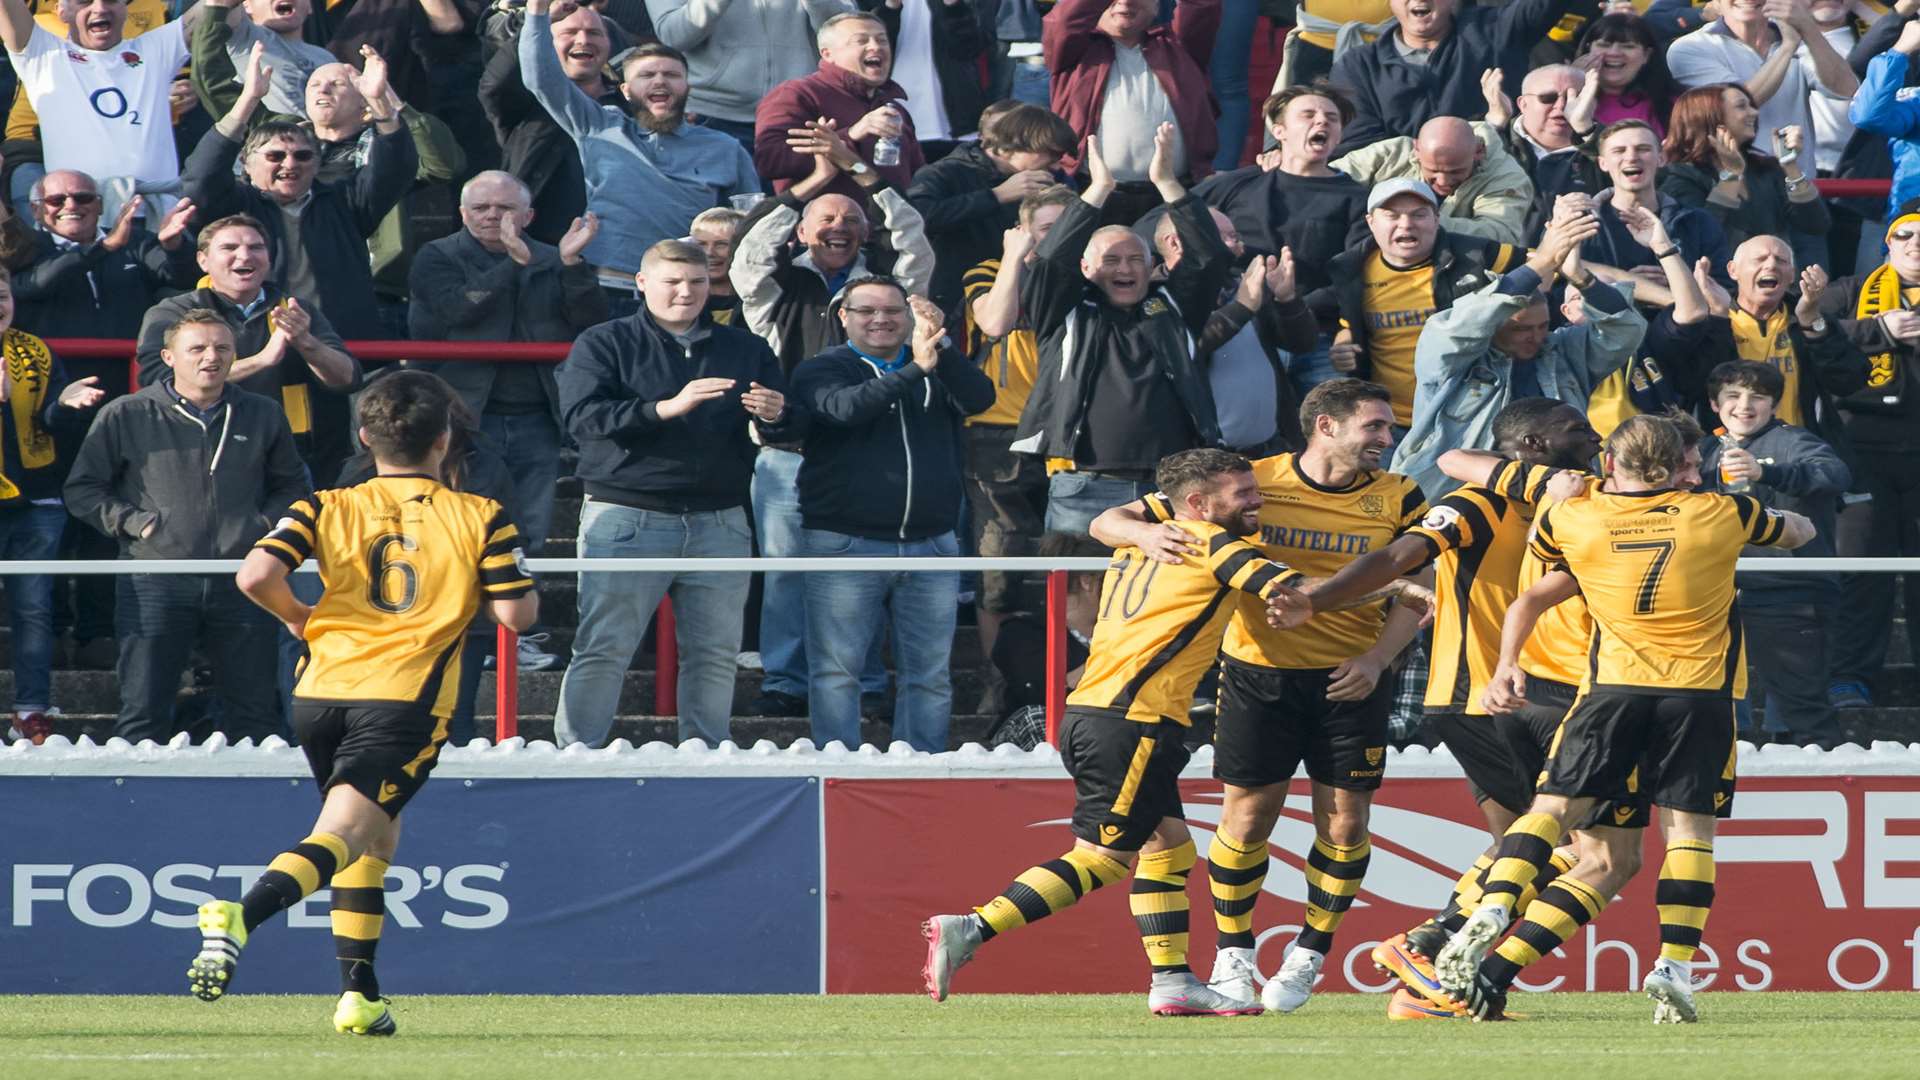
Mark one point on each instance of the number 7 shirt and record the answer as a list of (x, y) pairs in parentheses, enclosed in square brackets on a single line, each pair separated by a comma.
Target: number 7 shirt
[(1656, 569), (105, 113)]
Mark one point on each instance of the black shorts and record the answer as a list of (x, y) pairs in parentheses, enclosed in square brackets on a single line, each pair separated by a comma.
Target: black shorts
[(382, 753), (1546, 708), (1673, 751), (1273, 719), (1126, 775), (1499, 754)]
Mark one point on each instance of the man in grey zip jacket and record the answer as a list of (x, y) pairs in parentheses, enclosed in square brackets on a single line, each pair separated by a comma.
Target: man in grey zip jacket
[(1493, 346), (190, 468)]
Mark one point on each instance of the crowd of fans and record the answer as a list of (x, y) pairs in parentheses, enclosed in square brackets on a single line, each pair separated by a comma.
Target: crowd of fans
[(918, 277)]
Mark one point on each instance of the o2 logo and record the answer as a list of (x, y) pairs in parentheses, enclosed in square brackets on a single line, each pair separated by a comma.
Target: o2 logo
[(112, 104)]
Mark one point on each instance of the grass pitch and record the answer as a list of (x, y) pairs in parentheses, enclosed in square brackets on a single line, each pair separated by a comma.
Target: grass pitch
[(847, 1038)]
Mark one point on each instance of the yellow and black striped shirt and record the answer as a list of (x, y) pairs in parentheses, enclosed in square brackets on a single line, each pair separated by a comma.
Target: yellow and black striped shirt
[(1160, 623), (1316, 530), (1477, 537), (1656, 568), (406, 562), (1012, 362)]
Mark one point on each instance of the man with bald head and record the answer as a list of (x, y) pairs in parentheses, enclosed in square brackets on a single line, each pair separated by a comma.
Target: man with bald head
[(93, 280), (1118, 385), (1775, 319), (1547, 133), (1483, 191), (492, 282)]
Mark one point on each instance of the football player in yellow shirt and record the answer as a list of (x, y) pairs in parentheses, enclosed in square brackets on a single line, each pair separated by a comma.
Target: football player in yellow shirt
[(1655, 716), (407, 564)]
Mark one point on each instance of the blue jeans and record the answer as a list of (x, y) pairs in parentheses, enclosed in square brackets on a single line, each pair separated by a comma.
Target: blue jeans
[(530, 443), (1032, 84), (1310, 369), (1074, 499), (1232, 56), (783, 599), (31, 532), (847, 613), (159, 618), (708, 611)]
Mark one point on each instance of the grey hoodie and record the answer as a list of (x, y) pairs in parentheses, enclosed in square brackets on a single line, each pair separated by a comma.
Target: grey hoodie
[(1798, 472), (210, 487)]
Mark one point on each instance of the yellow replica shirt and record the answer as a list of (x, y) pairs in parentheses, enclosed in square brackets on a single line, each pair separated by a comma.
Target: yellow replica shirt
[(1557, 648), (1316, 530), (1160, 624), (1398, 304), (1770, 343), (1656, 569), (406, 562), (1012, 362), (1477, 538)]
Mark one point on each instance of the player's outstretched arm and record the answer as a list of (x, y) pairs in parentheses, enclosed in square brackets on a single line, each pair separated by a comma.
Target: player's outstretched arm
[(1796, 530), (518, 614), (263, 578), (1470, 466), (1507, 690), (1371, 576), (1132, 526)]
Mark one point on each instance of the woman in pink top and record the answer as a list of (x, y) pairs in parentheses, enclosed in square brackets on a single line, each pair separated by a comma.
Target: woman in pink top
[(1619, 49)]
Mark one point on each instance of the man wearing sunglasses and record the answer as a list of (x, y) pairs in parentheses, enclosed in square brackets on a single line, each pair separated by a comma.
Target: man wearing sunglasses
[(1879, 312), (87, 280)]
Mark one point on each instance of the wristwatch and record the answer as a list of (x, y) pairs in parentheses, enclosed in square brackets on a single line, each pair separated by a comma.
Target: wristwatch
[(1728, 174), (1819, 326), (860, 168)]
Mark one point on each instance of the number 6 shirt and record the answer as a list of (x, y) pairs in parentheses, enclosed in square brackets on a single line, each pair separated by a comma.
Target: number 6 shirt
[(105, 113)]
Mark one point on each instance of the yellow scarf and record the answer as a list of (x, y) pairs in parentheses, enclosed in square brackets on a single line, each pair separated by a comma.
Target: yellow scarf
[(29, 370), (1879, 294)]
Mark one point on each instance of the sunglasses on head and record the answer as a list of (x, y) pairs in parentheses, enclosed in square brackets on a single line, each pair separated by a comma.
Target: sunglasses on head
[(78, 198), (278, 156)]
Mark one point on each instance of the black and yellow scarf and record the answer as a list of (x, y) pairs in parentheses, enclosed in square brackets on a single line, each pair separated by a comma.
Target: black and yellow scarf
[(29, 373), (1879, 294)]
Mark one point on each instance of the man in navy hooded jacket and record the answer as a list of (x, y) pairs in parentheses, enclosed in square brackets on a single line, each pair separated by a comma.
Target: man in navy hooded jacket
[(660, 403), (881, 476)]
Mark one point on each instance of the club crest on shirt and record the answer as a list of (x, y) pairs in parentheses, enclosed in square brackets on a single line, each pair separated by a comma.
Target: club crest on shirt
[(1373, 505), (1155, 307)]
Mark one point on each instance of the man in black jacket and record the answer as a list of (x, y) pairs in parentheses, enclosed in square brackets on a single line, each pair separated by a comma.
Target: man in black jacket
[(881, 477), (660, 403), (971, 197), (86, 281), (1430, 64), (1118, 387), (191, 467), (317, 232)]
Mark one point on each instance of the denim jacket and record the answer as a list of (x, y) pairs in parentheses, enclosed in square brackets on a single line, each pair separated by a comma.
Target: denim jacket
[(1464, 381)]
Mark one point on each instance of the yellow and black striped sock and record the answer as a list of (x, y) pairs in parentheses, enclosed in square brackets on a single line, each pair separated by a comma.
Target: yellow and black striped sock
[(359, 911), (1235, 870), (1466, 893), (1561, 862), (1159, 903), (1563, 908), (1684, 897), (1047, 888), (1524, 851), (1334, 873), (292, 876)]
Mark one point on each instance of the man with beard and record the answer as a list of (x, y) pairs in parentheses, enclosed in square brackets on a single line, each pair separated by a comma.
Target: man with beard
[(1124, 736), (1495, 345), (1294, 697), (854, 88), (1477, 537), (648, 171)]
